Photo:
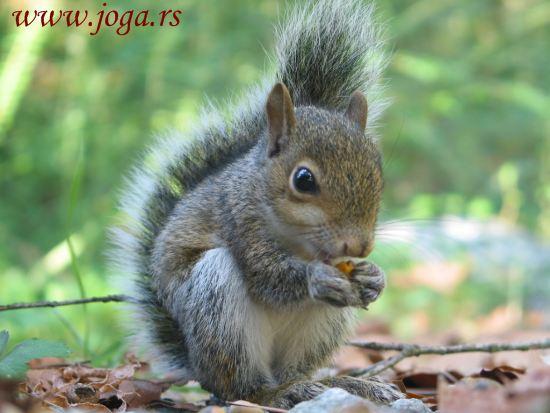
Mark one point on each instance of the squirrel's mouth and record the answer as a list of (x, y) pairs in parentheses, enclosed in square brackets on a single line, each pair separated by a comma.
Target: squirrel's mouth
[(333, 260), (325, 257)]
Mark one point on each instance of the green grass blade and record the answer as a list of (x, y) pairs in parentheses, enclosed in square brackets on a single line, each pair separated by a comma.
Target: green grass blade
[(4, 337), (73, 201)]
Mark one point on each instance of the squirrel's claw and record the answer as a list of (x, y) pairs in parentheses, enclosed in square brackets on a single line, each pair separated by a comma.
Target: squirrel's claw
[(325, 283), (369, 280), (330, 285)]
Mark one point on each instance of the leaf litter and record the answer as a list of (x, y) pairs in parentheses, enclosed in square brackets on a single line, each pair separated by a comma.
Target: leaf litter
[(99, 389), (502, 383)]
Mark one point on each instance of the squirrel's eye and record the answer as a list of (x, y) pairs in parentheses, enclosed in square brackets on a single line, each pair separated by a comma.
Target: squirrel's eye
[(304, 181)]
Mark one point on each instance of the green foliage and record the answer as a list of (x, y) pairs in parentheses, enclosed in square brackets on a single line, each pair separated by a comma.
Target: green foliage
[(4, 337), (14, 364)]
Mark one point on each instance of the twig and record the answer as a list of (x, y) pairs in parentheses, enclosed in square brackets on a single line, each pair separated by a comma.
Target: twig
[(57, 365), (379, 367), (414, 350), (404, 350), (41, 304)]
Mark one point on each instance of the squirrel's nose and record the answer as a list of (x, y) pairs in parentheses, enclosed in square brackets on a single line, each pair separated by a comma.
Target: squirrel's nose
[(355, 247)]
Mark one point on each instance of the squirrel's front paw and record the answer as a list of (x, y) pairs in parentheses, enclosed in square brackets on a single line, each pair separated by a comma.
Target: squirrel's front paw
[(328, 284), (369, 280)]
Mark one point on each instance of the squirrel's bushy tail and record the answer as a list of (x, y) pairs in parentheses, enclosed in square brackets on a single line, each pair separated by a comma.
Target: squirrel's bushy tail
[(325, 51), (328, 49)]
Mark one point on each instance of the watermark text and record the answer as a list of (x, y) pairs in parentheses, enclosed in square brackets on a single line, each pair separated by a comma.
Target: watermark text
[(122, 22)]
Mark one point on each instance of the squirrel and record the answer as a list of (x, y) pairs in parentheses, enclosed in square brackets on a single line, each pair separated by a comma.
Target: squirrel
[(227, 237)]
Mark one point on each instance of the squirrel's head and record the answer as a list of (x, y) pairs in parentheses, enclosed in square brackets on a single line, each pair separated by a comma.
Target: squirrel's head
[(324, 177)]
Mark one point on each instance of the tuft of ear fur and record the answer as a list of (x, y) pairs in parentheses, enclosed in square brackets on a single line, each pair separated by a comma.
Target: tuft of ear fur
[(357, 110), (280, 117)]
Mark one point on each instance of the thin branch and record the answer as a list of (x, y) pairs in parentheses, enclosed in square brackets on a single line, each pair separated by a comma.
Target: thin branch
[(415, 350), (378, 367), (404, 350), (41, 304)]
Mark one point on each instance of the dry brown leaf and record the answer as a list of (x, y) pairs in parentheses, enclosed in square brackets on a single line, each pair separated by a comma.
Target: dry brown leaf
[(138, 393), (530, 393), (58, 400), (10, 400), (46, 362), (88, 388), (502, 374), (82, 393), (92, 407)]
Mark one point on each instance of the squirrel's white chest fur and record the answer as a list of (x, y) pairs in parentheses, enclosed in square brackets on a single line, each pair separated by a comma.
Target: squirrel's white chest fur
[(274, 338)]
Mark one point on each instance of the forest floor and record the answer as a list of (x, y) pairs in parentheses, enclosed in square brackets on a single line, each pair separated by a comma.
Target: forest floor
[(503, 382)]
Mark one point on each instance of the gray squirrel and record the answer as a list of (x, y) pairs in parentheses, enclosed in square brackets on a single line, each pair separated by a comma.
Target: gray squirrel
[(229, 236)]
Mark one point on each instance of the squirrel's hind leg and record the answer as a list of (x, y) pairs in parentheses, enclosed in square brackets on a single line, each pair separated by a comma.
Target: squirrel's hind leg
[(229, 352), (371, 388), (288, 395)]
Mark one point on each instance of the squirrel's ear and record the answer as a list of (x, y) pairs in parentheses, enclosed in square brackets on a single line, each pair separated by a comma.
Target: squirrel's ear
[(357, 110), (280, 117)]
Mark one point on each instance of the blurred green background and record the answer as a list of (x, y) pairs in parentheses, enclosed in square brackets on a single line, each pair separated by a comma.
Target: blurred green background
[(466, 142)]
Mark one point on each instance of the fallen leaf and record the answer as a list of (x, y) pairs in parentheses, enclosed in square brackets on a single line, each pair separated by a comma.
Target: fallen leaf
[(138, 393), (82, 393), (502, 374), (92, 407), (89, 388), (528, 394), (46, 362)]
